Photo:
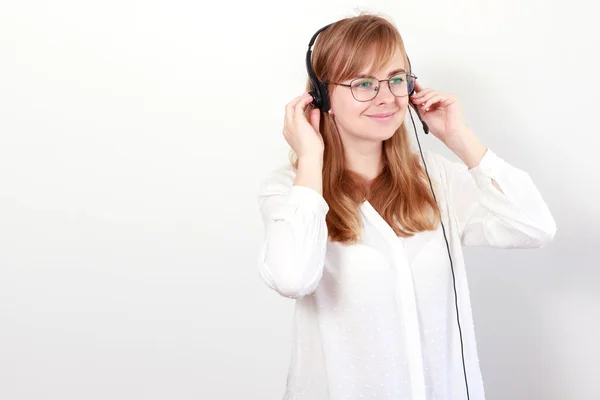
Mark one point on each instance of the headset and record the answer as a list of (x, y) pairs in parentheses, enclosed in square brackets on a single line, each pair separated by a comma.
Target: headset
[(321, 101)]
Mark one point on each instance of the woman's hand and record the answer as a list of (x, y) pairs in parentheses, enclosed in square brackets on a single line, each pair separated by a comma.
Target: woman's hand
[(303, 136), (441, 112)]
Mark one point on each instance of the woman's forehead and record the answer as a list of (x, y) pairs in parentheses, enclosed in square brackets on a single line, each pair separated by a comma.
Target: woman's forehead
[(375, 65)]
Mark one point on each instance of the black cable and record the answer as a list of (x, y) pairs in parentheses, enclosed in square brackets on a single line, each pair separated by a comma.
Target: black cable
[(462, 352)]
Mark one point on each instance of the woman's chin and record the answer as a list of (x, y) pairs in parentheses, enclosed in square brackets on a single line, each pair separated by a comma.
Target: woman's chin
[(385, 134), (379, 136)]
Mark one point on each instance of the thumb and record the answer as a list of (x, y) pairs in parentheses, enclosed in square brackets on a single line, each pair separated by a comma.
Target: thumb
[(315, 118)]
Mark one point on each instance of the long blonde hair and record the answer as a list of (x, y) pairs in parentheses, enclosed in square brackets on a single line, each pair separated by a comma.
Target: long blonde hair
[(400, 193)]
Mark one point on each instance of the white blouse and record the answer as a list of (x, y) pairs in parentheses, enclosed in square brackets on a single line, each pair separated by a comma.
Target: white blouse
[(377, 319)]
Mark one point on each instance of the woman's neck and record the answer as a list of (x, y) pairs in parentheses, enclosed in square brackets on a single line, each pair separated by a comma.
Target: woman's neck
[(366, 159)]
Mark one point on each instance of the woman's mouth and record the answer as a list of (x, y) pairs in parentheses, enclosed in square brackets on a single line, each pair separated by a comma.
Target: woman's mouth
[(382, 117)]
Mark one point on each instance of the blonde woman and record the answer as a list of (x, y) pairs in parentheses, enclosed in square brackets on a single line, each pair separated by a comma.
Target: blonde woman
[(354, 233)]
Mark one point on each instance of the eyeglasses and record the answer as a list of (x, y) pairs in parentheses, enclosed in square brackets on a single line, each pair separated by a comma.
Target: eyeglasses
[(365, 89)]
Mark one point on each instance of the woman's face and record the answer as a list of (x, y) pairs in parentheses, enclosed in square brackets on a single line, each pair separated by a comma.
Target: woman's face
[(373, 120)]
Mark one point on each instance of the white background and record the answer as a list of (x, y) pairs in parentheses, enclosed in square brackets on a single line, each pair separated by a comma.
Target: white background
[(133, 137)]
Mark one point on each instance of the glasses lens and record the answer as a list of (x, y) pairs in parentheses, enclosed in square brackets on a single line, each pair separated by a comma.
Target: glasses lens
[(401, 84), (364, 89)]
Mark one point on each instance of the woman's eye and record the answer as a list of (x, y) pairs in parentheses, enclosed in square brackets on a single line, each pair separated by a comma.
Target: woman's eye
[(363, 84)]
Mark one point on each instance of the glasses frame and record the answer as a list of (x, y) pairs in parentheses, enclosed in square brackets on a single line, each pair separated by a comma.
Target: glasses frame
[(349, 85)]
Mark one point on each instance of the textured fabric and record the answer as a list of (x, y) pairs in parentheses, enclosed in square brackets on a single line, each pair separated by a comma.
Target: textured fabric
[(377, 319)]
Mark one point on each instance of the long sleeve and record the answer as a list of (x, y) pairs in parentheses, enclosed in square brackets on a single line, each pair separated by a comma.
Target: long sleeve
[(292, 254), (516, 217)]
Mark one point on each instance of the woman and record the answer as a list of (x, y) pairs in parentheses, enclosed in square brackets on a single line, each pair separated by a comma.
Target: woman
[(356, 237)]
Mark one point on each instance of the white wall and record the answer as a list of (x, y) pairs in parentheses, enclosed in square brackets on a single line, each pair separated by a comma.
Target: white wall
[(131, 151)]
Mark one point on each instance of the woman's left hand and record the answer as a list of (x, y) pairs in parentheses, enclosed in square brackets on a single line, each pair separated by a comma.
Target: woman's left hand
[(441, 112)]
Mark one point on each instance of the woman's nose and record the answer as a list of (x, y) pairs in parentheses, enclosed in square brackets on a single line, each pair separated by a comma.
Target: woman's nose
[(384, 93)]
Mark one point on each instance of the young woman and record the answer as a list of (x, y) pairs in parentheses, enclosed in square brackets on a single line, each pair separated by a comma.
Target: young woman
[(355, 235)]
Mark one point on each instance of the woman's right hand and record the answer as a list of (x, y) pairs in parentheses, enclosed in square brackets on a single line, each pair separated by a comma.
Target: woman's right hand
[(303, 136)]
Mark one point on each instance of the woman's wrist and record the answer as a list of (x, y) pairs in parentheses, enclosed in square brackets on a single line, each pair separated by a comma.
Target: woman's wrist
[(310, 172)]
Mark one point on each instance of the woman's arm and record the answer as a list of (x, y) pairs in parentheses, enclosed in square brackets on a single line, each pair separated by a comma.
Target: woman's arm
[(497, 204), (293, 212)]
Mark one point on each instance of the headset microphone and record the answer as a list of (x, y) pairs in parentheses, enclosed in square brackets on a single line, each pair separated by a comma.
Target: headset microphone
[(425, 126)]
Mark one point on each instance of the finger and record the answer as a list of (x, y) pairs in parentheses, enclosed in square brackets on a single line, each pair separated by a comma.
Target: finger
[(315, 118), (301, 105), (418, 86), (422, 93), (423, 98), (292, 104), (290, 108), (437, 98)]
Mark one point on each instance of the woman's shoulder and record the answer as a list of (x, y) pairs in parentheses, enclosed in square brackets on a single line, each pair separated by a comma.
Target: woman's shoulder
[(443, 170), (278, 179), (444, 165)]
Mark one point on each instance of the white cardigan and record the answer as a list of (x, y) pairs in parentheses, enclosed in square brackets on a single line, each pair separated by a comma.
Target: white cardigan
[(377, 320)]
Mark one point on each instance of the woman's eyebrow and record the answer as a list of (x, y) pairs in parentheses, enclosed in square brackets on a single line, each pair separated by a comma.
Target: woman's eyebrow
[(394, 72)]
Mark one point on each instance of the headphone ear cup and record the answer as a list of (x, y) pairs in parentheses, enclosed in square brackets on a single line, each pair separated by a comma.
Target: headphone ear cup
[(411, 86), (315, 93), (316, 102), (324, 97)]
